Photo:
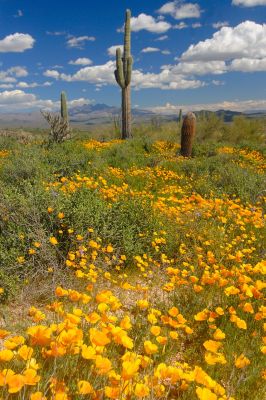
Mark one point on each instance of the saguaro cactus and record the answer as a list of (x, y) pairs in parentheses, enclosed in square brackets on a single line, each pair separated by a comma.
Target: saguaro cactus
[(123, 74), (64, 112), (188, 132), (59, 123), (180, 117)]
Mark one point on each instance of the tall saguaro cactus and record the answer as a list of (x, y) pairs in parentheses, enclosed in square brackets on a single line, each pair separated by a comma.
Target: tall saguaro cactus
[(188, 132), (123, 74), (64, 112)]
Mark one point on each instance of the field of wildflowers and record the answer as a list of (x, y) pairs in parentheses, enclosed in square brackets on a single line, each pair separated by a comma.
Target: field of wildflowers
[(141, 274)]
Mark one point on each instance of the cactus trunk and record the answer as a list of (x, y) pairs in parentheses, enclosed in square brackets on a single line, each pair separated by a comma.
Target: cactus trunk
[(126, 113), (188, 132), (64, 112), (123, 77)]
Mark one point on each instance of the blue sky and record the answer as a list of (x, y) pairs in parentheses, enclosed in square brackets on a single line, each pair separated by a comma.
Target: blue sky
[(189, 53)]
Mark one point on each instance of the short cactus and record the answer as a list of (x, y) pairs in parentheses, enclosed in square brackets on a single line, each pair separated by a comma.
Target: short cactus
[(188, 132), (59, 123), (64, 112), (180, 117), (123, 74)]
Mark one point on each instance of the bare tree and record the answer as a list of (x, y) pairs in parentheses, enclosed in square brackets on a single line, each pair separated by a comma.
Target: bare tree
[(59, 127)]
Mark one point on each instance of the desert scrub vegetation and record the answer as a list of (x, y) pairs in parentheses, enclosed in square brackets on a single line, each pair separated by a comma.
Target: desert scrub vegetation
[(130, 272)]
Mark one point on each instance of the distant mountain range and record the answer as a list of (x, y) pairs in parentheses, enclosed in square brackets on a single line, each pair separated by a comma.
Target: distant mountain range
[(92, 114)]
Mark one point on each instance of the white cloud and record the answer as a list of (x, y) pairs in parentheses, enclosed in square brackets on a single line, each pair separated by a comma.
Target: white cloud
[(56, 66), (112, 49), (248, 65), (150, 50), (180, 10), (16, 43), (181, 25), (218, 83), (5, 78), (10, 75), (148, 23), (167, 79), (161, 38), (6, 85), (79, 102), (155, 50), (196, 25), (17, 96), (97, 74), (249, 3), (200, 68), (18, 71), (220, 24), (18, 100), (25, 85), (244, 105), (247, 39), (81, 61), (50, 73), (101, 75), (78, 42)]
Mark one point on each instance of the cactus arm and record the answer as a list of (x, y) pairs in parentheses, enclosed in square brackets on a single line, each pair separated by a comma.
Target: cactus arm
[(119, 72)]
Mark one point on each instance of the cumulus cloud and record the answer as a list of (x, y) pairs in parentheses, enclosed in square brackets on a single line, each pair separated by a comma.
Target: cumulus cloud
[(16, 43), (167, 79), (101, 75), (245, 105), (15, 96), (26, 85), (98, 74), (249, 3), (81, 61), (5, 78), (10, 75), (18, 100), (200, 68), (181, 25), (247, 39), (6, 85), (149, 23), (112, 49), (78, 42), (18, 71), (248, 65), (79, 102), (178, 9), (50, 73)]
